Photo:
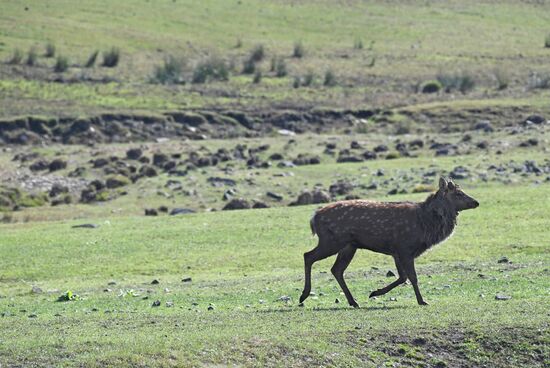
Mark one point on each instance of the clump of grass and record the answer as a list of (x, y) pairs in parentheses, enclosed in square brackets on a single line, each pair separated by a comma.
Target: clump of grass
[(257, 76), (547, 41), (50, 50), (210, 69), (32, 57), (258, 53), (372, 62), (16, 57), (502, 78), (297, 82), (61, 64), (111, 57), (308, 79), (299, 50), (330, 78), (431, 86), (280, 68), (91, 59), (239, 43), (460, 81), (249, 66), (358, 44), (537, 81), (170, 72)]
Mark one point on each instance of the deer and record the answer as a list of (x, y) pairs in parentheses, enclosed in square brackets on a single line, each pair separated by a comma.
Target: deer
[(403, 230)]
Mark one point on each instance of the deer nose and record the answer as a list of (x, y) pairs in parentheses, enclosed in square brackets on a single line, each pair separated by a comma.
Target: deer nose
[(476, 204)]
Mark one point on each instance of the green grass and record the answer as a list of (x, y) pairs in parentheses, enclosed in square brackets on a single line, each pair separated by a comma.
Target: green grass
[(242, 262)]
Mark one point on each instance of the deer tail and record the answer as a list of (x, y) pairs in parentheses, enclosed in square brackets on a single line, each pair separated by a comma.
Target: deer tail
[(312, 223)]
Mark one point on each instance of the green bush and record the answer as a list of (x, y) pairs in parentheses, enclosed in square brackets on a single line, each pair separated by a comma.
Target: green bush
[(32, 57), (170, 72), (111, 57), (257, 54), (61, 64), (280, 68), (210, 69), (16, 57), (308, 79), (91, 59), (296, 83), (358, 44), (257, 76), (330, 78), (249, 66), (460, 81), (50, 50), (299, 50), (432, 86)]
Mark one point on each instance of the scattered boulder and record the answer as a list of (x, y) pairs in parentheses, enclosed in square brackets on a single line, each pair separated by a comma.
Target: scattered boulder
[(181, 211), (274, 196), (100, 162), (151, 212), (159, 159), (148, 170), (57, 164), (39, 165), (484, 125), (534, 119), (369, 155), (134, 153), (531, 142), (259, 204), (237, 204), (341, 187), (57, 189), (219, 182), (381, 148), (314, 197), (116, 182), (459, 173)]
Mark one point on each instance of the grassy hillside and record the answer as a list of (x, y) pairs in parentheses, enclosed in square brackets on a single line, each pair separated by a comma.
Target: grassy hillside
[(380, 53)]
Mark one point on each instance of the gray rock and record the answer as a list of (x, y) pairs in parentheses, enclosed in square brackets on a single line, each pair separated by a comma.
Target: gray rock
[(181, 211)]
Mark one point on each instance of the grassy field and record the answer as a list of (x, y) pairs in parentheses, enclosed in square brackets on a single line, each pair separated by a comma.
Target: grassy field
[(379, 52), (242, 262)]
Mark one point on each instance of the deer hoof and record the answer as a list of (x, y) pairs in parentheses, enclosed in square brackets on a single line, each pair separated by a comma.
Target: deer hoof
[(423, 303), (373, 294), (355, 305)]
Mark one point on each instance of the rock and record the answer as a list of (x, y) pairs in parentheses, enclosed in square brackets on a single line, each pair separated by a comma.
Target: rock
[(502, 297), (286, 164), (284, 298), (337, 301), (57, 189), (459, 172), (341, 187), (147, 170), (181, 211), (36, 290), (393, 191), (88, 195), (116, 182), (169, 304), (484, 125), (381, 148), (503, 260), (350, 158), (355, 145), (315, 197), (390, 274), (159, 159), (218, 182), (274, 196), (186, 279), (163, 209), (416, 143), (276, 157), (57, 164), (534, 119), (85, 226), (100, 162), (482, 145), (237, 204), (369, 155), (156, 303), (419, 341), (211, 307), (134, 154), (155, 282), (151, 212), (258, 204), (33, 315), (529, 143), (39, 165)]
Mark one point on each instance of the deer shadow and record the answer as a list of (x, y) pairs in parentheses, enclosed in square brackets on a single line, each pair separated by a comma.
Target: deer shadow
[(327, 309)]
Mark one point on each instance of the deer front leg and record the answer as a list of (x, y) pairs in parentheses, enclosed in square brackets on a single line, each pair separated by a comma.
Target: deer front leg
[(408, 267), (402, 278)]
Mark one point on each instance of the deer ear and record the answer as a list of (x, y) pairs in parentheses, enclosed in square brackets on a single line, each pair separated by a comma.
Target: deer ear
[(451, 185), (442, 183)]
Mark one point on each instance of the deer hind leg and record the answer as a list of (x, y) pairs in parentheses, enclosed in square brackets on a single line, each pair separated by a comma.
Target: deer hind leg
[(322, 251), (408, 266), (342, 262), (402, 278)]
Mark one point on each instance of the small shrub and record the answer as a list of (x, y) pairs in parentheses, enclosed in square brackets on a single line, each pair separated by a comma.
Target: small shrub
[(16, 57), (296, 83), (460, 81), (257, 76), (32, 57), (502, 78), (249, 66), (358, 44), (111, 57), (330, 78), (280, 68), (239, 43), (537, 81), (372, 62), (547, 40), (257, 54), (68, 296), (170, 72), (211, 69), (91, 59), (6, 217), (308, 79), (299, 50), (432, 86), (50, 50), (61, 64)]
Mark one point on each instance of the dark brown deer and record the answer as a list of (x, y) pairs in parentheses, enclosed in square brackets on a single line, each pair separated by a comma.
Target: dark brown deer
[(403, 230)]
